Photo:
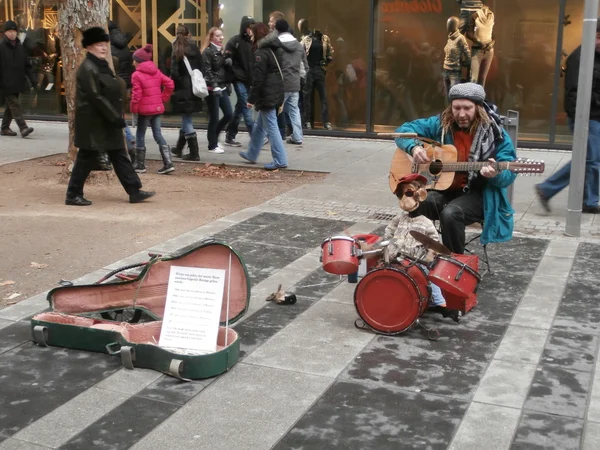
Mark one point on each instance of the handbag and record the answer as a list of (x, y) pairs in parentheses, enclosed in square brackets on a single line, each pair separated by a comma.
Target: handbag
[(280, 109), (199, 87)]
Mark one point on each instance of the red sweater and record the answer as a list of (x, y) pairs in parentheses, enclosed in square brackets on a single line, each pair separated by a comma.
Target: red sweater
[(150, 89)]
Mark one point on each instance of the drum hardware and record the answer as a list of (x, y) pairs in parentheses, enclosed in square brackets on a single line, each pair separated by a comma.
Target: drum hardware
[(433, 334)]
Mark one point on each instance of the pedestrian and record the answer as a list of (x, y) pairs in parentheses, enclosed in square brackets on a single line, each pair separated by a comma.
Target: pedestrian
[(130, 140), (474, 129), (560, 179), (282, 117), (150, 89), (99, 122), (15, 72), (266, 95), (216, 68), (294, 66), (183, 99), (239, 51)]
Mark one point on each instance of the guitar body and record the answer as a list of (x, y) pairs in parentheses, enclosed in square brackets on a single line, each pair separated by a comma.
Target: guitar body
[(402, 164)]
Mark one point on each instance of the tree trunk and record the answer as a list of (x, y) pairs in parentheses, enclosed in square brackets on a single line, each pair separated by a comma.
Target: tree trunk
[(74, 17)]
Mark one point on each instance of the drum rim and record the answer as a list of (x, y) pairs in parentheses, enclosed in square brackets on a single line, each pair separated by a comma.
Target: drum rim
[(339, 238), (413, 284)]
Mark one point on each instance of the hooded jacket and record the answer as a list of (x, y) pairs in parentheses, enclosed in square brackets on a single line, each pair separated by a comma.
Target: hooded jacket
[(572, 81), (266, 91), (239, 49), (456, 53), (15, 68), (150, 89), (119, 48), (293, 60)]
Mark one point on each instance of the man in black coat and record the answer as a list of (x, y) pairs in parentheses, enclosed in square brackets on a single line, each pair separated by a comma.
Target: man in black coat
[(15, 70), (119, 47)]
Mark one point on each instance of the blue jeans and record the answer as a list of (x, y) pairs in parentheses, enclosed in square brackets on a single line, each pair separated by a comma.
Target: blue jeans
[(437, 298), (142, 125), (290, 107), (215, 126), (187, 125), (241, 110), (266, 125), (129, 137), (560, 179)]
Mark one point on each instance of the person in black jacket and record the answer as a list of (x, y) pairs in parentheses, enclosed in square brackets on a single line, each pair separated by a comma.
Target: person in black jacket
[(266, 95), (99, 122), (183, 99), (119, 47), (239, 51), (216, 74), (561, 178), (15, 70)]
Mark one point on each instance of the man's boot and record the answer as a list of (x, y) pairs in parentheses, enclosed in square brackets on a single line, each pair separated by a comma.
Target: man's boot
[(140, 160), (140, 196), (194, 154), (178, 150), (166, 157)]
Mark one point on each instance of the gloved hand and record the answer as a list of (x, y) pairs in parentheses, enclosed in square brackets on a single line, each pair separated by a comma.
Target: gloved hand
[(120, 123), (228, 61)]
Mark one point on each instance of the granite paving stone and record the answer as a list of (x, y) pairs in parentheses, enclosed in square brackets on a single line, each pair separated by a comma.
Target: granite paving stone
[(317, 284), (547, 432), (522, 344), (505, 383), (570, 350), (170, 390), (494, 425), (556, 390), (370, 416), (5, 323), (591, 438), (122, 426), (14, 335), (579, 310), (257, 405), (17, 444), (593, 410), (586, 263)]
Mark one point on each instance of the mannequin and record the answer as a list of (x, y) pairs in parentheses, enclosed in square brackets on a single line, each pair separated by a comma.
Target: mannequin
[(319, 53), (456, 54), (479, 31), (467, 8)]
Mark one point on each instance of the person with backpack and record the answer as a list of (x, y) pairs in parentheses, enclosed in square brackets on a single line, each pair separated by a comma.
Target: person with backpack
[(150, 89), (266, 95), (216, 68), (479, 31), (183, 99)]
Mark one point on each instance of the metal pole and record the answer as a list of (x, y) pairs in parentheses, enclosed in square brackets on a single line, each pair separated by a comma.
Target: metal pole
[(557, 69), (371, 67), (582, 119)]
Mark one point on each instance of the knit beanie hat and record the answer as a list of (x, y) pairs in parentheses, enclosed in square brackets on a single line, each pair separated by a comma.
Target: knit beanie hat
[(10, 25), (467, 91), (143, 54), (94, 35)]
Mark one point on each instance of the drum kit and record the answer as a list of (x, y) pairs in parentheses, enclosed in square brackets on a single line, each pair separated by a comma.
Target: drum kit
[(393, 295)]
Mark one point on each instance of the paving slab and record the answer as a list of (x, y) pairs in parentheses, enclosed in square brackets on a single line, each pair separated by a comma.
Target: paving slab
[(513, 349), (506, 383)]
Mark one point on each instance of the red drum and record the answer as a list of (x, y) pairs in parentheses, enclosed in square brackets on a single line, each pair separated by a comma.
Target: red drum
[(390, 299), (339, 255), (457, 274)]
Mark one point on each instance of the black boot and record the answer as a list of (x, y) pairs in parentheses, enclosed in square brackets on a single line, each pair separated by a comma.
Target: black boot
[(194, 154), (454, 314), (140, 196), (178, 150), (140, 160), (166, 157)]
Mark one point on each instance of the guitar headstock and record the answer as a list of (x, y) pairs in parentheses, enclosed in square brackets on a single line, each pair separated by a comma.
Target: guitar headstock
[(525, 165)]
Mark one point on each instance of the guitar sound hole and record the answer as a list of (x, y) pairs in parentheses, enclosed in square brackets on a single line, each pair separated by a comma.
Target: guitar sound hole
[(435, 167)]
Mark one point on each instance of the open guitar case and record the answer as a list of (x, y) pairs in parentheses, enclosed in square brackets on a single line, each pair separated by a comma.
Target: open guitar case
[(77, 317)]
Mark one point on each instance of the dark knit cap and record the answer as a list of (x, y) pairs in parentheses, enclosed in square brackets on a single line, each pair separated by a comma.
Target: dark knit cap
[(467, 91), (10, 25), (282, 26), (94, 35), (143, 54)]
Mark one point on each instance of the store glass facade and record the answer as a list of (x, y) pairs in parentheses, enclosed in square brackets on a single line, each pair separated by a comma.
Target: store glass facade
[(387, 65)]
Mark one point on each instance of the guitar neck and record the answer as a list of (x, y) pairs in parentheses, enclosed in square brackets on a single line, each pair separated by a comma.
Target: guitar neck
[(472, 166)]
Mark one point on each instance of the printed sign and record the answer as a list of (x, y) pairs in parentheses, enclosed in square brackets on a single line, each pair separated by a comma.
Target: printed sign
[(193, 309)]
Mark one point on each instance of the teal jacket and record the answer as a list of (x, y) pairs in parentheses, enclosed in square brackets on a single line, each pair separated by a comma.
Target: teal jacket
[(497, 210)]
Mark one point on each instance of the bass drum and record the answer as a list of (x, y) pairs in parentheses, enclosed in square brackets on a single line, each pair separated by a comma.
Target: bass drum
[(390, 299)]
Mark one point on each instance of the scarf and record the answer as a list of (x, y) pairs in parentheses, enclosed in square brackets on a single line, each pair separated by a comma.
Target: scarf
[(484, 142)]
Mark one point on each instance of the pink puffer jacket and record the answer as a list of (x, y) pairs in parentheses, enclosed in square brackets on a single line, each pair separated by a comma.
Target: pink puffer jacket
[(150, 89)]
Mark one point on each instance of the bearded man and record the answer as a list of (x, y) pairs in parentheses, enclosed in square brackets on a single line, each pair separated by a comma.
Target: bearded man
[(473, 127)]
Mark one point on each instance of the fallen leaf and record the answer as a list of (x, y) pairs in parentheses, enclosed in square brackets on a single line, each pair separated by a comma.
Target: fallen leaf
[(6, 283), (38, 265), (11, 296)]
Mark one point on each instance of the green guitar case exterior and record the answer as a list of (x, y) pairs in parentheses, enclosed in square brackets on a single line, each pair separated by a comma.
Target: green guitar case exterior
[(73, 320)]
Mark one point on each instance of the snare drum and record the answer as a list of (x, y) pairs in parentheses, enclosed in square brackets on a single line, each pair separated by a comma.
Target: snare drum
[(457, 274), (391, 298), (339, 255)]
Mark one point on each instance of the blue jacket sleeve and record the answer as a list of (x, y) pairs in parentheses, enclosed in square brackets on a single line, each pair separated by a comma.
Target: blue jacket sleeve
[(429, 128), (504, 152)]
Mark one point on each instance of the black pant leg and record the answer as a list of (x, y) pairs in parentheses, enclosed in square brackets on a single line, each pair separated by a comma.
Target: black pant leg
[(463, 210), (124, 169), (319, 86), (7, 116), (212, 103), (307, 96), (85, 162)]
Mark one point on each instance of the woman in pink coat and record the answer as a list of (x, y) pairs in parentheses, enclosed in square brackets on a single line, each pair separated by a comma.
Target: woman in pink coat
[(150, 89)]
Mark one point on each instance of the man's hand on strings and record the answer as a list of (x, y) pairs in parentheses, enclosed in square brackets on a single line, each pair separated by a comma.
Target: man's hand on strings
[(489, 171), (420, 155)]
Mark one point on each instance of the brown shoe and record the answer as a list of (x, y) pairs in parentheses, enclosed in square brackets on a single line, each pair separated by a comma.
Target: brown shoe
[(7, 132)]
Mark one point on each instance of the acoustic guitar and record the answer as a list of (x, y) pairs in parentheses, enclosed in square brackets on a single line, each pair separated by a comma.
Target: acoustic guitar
[(440, 172)]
